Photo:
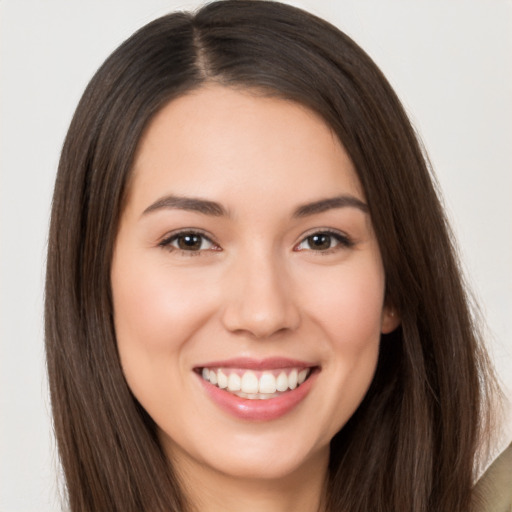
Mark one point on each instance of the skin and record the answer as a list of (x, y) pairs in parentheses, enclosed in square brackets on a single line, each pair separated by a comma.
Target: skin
[(256, 288)]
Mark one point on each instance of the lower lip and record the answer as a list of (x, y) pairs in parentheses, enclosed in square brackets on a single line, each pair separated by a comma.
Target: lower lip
[(259, 410)]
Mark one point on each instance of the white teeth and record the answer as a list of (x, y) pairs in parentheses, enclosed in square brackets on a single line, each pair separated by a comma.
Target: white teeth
[(302, 376), (222, 380), (282, 382), (248, 385), (292, 379), (250, 382), (255, 396), (234, 382), (267, 383)]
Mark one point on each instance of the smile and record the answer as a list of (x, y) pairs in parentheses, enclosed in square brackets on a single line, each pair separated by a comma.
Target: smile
[(257, 390), (256, 385)]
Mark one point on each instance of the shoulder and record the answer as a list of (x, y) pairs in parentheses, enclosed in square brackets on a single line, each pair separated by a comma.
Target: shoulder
[(493, 492)]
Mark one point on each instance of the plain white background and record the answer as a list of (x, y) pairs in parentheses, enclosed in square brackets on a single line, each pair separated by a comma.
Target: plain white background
[(450, 62)]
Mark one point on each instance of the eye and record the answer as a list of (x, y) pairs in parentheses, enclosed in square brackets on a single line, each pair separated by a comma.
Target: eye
[(188, 241), (323, 241)]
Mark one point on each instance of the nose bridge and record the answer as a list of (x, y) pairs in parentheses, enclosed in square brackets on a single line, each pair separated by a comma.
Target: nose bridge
[(260, 301)]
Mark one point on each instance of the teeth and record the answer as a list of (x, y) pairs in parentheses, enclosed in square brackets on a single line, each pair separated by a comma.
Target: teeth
[(249, 382), (302, 376), (255, 385), (267, 383), (234, 382), (255, 396), (292, 379), (282, 382), (222, 380)]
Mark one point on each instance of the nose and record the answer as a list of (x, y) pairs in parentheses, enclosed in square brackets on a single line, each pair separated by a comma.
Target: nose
[(260, 298)]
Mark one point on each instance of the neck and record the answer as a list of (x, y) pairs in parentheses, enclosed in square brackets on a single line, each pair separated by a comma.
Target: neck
[(303, 490)]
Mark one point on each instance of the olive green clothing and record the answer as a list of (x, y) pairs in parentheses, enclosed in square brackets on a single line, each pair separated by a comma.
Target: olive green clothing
[(493, 492)]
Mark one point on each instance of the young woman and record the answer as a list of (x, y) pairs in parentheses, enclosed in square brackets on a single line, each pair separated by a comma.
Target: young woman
[(253, 301)]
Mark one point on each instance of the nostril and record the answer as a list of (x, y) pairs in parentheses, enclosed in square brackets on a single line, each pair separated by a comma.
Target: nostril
[(261, 321)]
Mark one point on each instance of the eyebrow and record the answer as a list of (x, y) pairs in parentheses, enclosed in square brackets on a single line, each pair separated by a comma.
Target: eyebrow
[(215, 209), (330, 203), (192, 204)]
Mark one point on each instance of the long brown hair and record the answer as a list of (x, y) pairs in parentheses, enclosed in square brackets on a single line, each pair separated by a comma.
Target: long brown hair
[(413, 442)]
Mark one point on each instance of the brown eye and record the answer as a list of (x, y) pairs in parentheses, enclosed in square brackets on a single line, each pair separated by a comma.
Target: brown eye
[(319, 241), (323, 241), (189, 242)]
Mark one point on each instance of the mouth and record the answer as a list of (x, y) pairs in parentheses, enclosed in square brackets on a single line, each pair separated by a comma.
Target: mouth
[(257, 390), (256, 384)]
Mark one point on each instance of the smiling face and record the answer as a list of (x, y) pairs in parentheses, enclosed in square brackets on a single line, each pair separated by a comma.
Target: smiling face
[(248, 285)]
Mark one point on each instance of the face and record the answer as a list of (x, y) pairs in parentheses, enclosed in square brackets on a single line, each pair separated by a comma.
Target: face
[(247, 283)]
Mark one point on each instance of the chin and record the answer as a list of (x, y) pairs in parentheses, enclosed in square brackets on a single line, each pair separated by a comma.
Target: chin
[(262, 465), (272, 455)]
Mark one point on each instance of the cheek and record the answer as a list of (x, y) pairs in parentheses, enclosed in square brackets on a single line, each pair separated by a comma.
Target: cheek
[(354, 322), (348, 303), (155, 309), (156, 312)]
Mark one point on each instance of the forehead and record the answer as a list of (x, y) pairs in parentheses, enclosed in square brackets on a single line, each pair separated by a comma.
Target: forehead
[(222, 142)]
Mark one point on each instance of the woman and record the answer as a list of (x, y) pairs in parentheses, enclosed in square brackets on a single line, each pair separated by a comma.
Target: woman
[(252, 295)]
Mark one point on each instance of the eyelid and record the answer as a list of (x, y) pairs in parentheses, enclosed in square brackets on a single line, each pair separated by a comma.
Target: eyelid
[(344, 240), (168, 238)]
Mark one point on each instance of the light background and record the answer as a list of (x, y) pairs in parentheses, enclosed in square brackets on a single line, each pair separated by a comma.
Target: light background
[(450, 62)]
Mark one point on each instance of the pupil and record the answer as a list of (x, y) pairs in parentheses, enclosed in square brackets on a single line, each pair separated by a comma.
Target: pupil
[(320, 241), (189, 242)]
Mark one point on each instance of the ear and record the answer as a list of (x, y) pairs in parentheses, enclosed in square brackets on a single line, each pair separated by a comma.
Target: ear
[(390, 320)]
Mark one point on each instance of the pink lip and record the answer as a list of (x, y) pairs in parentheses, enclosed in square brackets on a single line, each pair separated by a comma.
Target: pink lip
[(246, 363), (258, 410)]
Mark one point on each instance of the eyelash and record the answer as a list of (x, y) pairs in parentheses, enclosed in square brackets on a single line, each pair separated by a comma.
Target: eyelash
[(343, 241), (167, 242)]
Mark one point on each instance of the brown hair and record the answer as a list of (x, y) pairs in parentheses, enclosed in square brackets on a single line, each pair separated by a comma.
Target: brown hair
[(412, 443)]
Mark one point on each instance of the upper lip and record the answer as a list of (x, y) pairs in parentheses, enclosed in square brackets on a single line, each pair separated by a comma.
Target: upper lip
[(248, 363)]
